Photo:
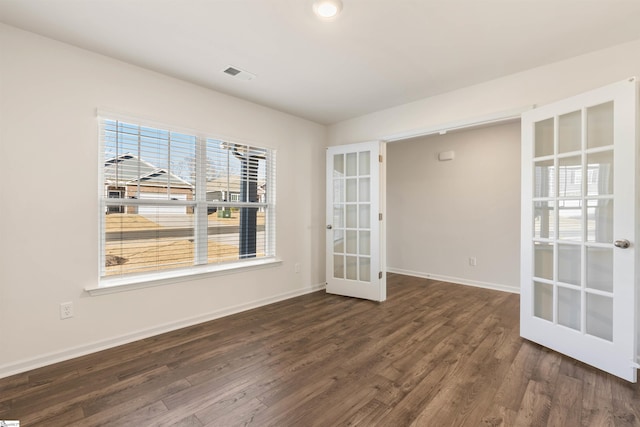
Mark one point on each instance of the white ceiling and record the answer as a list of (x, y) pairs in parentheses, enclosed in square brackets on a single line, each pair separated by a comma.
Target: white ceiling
[(376, 55)]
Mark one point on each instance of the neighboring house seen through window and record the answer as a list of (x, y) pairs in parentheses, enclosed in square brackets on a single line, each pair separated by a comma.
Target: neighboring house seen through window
[(175, 200)]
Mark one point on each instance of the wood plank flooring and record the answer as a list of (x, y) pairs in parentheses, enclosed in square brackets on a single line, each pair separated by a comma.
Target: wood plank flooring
[(433, 354)]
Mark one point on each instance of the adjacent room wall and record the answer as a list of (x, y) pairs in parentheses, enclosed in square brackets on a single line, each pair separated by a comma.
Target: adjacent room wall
[(441, 213), (49, 93)]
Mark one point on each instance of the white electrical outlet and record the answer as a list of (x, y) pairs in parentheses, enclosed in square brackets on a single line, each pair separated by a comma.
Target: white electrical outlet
[(66, 310), (473, 261), (297, 267)]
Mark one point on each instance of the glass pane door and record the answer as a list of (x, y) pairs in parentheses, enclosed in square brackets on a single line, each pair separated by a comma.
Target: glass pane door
[(578, 208), (352, 223)]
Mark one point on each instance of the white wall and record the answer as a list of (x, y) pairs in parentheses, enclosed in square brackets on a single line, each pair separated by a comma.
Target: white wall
[(441, 213), (49, 93), (536, 86)]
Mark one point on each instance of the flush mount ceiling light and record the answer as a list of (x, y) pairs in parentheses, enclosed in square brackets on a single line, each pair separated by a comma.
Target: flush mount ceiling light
[(327, 9)]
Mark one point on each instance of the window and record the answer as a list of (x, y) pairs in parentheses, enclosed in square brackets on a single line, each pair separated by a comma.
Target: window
[(180, 201)]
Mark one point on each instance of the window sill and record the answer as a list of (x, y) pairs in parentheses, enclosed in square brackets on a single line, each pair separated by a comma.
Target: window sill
[(109, 286)]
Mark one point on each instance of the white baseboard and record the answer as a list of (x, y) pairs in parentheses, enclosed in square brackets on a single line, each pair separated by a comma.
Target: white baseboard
[(82, 350), (457, 280)]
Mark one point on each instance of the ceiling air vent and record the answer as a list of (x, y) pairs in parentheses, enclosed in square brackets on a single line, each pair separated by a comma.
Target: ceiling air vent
[(238, 73)]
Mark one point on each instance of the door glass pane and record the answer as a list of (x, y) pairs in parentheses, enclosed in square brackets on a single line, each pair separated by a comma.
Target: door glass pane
[(600, 221), (365, 190), (543, 255), (365, 243), (600, 269), (338, 266), (600, 173), (338, 190), (352, 190), (338, 241), (338, 216), (352, 268), (544, 138), (352, 164), (365, 162), (365, 269), (570, 132), (569, 308), (544, 179), (570, 176), (543, 301), (338, 165), (365, 215), (569, 264), (570, 220), (600, 316), (352, 242), (352, 216), (544, 220), (600, 125)]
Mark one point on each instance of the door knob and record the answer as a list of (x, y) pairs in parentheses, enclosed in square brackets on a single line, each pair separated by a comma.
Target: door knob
[(623, 244), (329, 227)]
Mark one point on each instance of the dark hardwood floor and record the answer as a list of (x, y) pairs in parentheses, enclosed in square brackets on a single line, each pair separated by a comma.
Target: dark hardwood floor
[(433, 354)]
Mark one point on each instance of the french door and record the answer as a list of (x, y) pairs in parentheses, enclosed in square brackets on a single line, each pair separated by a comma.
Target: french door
[(579, 210), (355, 233)]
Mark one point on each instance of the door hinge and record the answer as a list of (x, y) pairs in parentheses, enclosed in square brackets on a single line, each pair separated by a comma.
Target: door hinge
[(380, 158), (379, 217), (380, 275)]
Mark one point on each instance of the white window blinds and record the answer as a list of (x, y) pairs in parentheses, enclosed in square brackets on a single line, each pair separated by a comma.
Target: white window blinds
[(173, 200)]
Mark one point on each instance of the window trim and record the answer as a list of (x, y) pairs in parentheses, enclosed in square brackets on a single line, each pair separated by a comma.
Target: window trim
[(168, 277), (196, 271)]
